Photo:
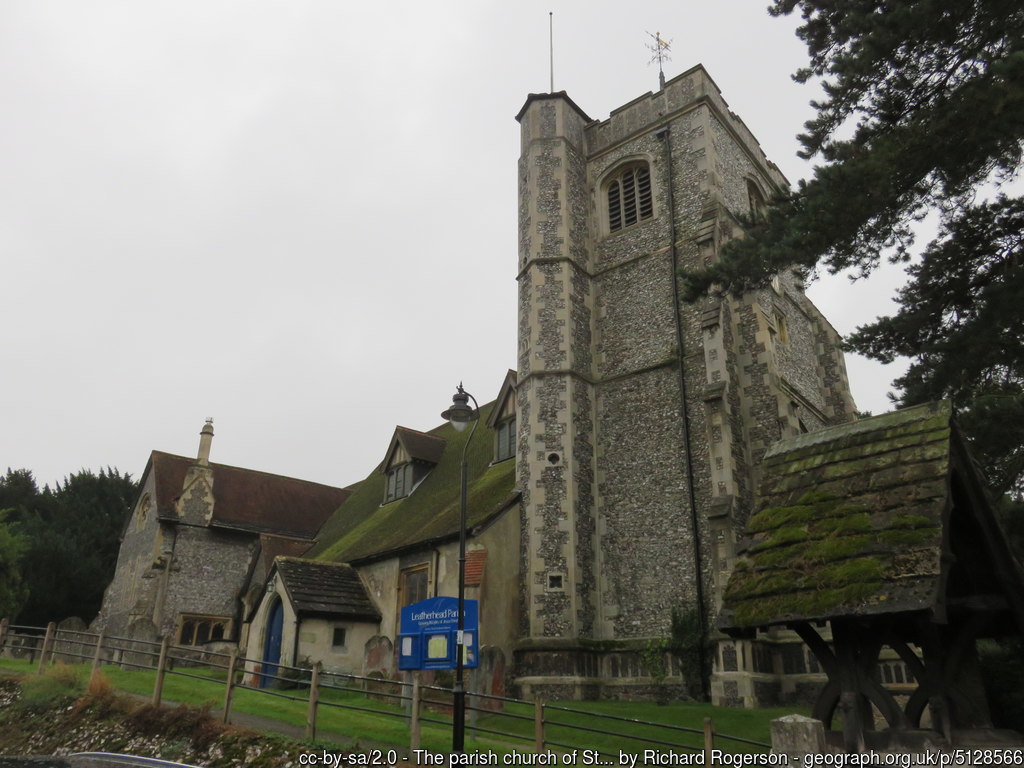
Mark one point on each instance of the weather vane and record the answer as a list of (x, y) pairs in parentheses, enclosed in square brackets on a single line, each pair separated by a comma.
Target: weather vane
[(660, 49)]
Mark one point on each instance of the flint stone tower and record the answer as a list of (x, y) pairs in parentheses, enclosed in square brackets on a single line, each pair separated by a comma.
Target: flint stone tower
[(643, 419)]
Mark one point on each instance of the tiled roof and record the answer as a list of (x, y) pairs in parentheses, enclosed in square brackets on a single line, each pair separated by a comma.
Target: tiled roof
[(272, 547), (855, 520), (475, 562), (248, 500), (364, 529), (325, 589)]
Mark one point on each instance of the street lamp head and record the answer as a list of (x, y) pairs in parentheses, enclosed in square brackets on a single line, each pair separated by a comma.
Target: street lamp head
[(460, 414)]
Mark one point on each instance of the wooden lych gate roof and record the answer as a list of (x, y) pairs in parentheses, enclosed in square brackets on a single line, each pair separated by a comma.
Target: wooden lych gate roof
[(881, 528), (882, 516)]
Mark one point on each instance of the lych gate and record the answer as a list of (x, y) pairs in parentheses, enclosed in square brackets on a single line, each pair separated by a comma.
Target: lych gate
[(882, 530)]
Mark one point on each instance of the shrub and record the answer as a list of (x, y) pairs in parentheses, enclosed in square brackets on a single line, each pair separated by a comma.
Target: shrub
[(688, 643), (99, 685), (57, 684), (100, 697), (1002, 670)]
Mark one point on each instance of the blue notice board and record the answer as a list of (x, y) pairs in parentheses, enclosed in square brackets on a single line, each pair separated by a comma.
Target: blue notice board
[(428, 635)]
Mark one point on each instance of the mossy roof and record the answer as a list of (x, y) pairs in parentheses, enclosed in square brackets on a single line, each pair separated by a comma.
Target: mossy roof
[(325, 589), (419, 445), (364, 529), (854, 520)]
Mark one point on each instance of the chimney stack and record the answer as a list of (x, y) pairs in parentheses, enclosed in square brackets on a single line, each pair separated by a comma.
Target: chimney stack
[(205, 439)]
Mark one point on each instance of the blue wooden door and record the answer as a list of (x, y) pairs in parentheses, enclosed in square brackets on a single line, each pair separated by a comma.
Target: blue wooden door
[(272, 644)]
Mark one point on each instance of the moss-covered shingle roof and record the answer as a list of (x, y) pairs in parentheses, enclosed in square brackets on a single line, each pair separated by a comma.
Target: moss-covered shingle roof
[(851, 521), (363, 529), (419, 445), (325, 589)]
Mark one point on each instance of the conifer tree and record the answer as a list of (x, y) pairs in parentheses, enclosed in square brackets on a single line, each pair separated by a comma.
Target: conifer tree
[(12, 590), (923, 113), (65, 542)]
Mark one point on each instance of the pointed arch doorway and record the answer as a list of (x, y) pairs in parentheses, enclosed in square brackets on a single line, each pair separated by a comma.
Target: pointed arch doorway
[(272, 643)]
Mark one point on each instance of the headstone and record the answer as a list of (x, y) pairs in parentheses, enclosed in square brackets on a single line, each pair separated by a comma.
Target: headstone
[(378, 654), (72, 646), (797, 736), (143, 649)]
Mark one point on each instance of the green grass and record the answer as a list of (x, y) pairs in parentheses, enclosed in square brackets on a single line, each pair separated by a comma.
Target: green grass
[(58, 683), (743, 723), (385, 723)]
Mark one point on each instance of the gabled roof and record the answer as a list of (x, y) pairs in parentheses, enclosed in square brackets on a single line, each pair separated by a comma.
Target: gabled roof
[(247, 500), (362, 529), (273, 547), (506, 393), (419, 445), (325, 589), (881, 516)]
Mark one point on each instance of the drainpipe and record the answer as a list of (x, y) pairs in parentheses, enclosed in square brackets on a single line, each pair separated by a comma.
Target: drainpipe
[(666, 139)]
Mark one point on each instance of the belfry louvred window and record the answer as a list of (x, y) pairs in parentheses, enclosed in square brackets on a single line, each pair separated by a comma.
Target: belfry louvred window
[(629, 197)]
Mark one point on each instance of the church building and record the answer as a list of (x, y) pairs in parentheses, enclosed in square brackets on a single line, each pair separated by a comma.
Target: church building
[(198, 534), (612, 475)]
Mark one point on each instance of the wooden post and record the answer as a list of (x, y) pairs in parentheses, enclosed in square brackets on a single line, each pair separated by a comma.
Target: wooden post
[(97, 656), (314, 700), (50, 629), (3, 634), (230, 688), (414, 713), (709, 740), (161, 670), (538, 725)]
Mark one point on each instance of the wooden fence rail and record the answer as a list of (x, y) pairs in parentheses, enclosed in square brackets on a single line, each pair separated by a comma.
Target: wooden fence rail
[(126, 652)]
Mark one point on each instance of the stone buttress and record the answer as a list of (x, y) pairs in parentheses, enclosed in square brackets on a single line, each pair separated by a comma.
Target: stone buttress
[(555, 394)]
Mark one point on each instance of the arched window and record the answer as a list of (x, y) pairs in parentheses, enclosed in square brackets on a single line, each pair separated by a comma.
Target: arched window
[(197, 630), (202, 632), (629, 197)]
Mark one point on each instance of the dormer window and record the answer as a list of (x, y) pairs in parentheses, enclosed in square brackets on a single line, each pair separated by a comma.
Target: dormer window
[(503, 420), (400, 482), (409, 460), (506, 445), (629, 197)]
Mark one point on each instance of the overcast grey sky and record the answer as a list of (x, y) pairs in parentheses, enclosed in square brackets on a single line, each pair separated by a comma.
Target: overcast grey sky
[(299, 217)]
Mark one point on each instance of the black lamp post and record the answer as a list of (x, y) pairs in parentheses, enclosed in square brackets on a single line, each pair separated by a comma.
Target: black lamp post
[(460, 414)]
